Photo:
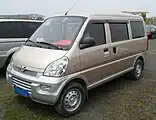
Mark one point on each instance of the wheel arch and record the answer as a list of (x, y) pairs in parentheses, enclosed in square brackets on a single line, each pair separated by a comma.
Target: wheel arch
[(9, 55), (140, 57), (78, 80)]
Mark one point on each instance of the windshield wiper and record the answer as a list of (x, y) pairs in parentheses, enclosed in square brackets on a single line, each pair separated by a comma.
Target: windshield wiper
[(31, 42), (51, 45)]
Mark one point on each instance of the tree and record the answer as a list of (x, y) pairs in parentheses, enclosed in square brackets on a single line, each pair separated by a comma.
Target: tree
[(143, 14), (149, 21)]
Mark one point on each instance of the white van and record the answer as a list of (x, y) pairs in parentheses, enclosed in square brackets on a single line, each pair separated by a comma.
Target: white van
[(13, 33)]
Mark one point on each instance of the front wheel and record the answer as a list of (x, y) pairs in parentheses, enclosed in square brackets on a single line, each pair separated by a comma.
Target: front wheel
[(138, 69), (71, 100)]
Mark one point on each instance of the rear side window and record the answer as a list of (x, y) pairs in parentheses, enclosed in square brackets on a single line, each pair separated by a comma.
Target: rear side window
[(11, 30), (137, 29), (119, 32), (30, 28), (97, 31)]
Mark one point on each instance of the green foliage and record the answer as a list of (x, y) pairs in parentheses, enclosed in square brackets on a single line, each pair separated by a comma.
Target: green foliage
[(143, 15), (149, 21)]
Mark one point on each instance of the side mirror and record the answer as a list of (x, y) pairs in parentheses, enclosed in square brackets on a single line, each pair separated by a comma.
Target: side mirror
[(87, 42)]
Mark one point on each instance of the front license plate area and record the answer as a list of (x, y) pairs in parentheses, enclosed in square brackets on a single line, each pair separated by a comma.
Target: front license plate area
[(21, 91)]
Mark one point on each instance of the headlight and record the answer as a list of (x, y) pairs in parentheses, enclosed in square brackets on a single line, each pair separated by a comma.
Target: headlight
[(57, 68)]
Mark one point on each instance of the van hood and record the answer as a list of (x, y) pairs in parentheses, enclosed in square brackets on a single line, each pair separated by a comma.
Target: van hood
[(36, 59)]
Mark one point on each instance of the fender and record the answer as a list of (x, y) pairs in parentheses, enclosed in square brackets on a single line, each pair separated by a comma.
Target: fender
[(8, 53), (139, 55), (70, 80), (11, 51)]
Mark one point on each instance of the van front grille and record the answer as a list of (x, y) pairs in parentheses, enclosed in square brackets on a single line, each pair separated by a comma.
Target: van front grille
[(28, 72), (22, 84)]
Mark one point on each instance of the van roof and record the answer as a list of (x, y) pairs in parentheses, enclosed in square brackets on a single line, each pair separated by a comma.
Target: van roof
[(19, 20), (122, 16), (116, 16)]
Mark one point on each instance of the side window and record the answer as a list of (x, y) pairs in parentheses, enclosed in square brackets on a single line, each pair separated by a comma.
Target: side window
[(30, 28), (97, 31), (137, 29), (119, 32), (11, 30)]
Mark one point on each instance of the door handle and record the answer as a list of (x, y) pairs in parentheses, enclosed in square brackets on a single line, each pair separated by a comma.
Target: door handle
[(106, 51), (115, 50)]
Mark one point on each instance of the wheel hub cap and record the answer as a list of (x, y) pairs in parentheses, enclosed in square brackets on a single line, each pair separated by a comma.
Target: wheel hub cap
[(138, 70), (72, 100)]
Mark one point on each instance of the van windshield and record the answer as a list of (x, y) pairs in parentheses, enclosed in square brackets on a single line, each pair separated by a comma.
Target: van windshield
[(59, 31)]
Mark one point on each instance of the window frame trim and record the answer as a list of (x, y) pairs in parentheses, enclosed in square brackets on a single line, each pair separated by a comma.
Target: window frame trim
[(132, 30), (120, 22), (94, 21)]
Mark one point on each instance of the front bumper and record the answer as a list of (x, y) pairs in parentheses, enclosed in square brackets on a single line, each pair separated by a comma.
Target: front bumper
[(32, 85)]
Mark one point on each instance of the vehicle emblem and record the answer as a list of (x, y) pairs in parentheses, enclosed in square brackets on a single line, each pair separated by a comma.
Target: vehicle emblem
[(23, 68)]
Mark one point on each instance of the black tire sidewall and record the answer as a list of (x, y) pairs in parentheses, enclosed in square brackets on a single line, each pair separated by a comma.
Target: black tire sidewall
[(60, 105)]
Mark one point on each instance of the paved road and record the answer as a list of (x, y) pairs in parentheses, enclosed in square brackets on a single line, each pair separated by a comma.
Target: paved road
[(151, 57), (121, 99)]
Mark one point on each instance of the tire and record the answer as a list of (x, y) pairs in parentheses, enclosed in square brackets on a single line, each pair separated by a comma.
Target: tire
[(70, 91), (7, 62), (136, 74)]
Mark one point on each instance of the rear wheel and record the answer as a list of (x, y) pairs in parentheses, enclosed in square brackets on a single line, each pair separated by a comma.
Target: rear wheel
[(71, 100), (138, 69)]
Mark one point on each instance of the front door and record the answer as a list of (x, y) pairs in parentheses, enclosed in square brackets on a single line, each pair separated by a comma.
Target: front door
[(94, 59)]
